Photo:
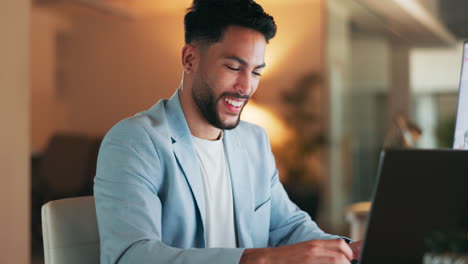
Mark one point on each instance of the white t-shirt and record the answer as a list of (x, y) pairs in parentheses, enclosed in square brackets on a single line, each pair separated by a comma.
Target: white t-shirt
[(219, 226)]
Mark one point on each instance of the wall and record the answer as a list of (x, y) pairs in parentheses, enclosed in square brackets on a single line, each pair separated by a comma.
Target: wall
[(48, 112), (111, 68), (14, 133), (435, 69), (119, 67), (370, 73)]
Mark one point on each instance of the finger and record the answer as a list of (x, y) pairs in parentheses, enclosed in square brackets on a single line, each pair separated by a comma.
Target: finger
[(356, 248), (339, 245), (319, 251), (329, 259)]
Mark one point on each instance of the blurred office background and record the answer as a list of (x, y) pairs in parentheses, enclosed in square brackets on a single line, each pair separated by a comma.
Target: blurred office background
[(339, 73)]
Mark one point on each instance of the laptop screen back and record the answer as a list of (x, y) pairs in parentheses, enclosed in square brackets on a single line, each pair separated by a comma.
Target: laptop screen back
[(461, 128), (418, 192)]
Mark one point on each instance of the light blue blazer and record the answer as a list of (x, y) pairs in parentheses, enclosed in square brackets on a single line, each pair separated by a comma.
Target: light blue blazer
[(149, 193)]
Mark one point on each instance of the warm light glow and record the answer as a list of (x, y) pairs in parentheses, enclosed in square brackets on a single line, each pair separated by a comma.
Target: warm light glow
[(275, 128), (297, 44), (279, 49), (276, 53), (134, 9)]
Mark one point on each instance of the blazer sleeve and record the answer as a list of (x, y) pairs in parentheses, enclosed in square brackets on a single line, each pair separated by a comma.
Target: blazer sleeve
[(288, 223), (128, 208)]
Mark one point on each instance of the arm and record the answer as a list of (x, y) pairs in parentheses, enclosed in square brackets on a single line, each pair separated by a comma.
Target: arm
[(308, 252), (128, 207), (296, 238), (288, 223)]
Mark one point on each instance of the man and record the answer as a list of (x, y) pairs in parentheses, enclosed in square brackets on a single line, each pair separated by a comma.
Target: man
[(402, 134), (186, 181)]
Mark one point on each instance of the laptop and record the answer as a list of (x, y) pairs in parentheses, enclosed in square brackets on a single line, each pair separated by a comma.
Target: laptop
[(461, 128), (418, 192)]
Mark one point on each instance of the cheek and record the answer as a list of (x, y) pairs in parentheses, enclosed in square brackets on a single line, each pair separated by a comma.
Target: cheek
[(224, 81), (255, 83)]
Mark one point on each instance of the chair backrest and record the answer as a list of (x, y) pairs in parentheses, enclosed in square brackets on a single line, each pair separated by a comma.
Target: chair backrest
[(69, 229)]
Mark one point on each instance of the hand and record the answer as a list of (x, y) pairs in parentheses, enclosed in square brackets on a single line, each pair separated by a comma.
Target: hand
[(309, 252), (356, 248)]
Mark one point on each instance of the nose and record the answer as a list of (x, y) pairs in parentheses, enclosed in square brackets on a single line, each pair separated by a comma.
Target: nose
[(244, 84)]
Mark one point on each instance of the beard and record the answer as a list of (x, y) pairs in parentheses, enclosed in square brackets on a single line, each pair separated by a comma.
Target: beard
[(204, 97)]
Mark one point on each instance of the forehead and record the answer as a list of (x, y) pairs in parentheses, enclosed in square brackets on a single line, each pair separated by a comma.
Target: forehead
[(241, 42)]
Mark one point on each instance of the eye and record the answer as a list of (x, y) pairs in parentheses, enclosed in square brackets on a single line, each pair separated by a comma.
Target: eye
[(257, 74), (232, 68)]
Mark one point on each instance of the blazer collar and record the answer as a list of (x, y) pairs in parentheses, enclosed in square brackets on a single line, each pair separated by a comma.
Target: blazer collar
[(185, 152), (179, 129)]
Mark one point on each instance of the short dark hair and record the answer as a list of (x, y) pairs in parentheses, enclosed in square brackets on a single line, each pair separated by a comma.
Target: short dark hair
[(206, 20)]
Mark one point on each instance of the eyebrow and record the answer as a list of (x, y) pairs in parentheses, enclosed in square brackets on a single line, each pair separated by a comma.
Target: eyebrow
[(243, 62)]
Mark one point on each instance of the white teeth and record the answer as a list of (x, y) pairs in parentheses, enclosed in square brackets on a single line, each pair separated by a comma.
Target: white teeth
[(233, 103)]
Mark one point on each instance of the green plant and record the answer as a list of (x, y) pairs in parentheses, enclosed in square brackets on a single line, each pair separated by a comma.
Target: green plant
[(302, 117), (447, 242), (445, 132)]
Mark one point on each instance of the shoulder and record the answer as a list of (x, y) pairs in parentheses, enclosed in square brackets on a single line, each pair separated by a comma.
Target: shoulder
[(246, 128), (140, 128)]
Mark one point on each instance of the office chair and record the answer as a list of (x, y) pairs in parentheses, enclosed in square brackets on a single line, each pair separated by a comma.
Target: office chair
[(69, 229)]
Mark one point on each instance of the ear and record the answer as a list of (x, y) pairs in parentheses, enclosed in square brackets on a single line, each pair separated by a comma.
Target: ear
[(190, 58)]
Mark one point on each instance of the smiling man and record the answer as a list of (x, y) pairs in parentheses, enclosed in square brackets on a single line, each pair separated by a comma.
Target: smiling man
[(188, 182), (219, 79)]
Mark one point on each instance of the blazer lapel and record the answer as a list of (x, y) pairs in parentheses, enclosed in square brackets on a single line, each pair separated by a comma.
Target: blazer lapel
[(185, 152), (241, 187)]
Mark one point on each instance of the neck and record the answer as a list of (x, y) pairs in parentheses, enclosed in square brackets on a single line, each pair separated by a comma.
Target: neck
[(198, 125)]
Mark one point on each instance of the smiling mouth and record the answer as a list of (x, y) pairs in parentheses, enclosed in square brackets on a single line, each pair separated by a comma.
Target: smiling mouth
[(234, 103)]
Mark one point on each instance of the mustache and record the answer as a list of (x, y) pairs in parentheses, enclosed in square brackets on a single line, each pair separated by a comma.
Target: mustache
[(236, 95)]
